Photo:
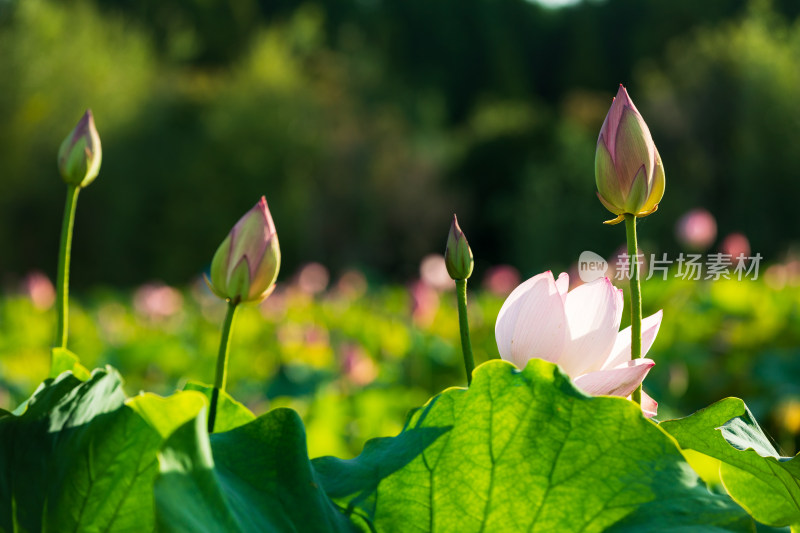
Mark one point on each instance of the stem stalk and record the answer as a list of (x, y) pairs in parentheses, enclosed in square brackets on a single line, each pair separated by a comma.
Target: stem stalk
[(463, 324), (636, 297), (222, 363), (62, 281)]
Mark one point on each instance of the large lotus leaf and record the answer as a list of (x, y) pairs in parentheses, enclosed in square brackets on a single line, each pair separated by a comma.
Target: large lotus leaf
[(254, 478), (77, 459), (526, 451), (753, 472)]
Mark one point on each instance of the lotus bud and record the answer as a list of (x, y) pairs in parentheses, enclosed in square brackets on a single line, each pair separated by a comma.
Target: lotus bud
[(246, 264), (457, 255), (80, 154), (628, 169)]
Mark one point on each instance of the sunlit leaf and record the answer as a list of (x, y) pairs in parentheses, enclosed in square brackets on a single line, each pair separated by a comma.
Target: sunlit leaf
[(63, 360), (753, 472), (526, 451), (78, 459), (165, 415)]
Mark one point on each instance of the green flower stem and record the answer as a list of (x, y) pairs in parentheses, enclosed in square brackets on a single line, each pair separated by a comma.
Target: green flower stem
[(222, 362), (64, 251), (636, 297), (463, 324)]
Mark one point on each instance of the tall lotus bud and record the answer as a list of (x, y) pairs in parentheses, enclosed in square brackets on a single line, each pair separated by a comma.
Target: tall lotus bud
[(246, 264), (457, 255), (80, 154), (627, 166)]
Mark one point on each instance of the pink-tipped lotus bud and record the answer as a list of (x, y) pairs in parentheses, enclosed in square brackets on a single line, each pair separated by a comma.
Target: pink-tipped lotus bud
[(457, 255), (246, 264), (627, 167), (80, 154)]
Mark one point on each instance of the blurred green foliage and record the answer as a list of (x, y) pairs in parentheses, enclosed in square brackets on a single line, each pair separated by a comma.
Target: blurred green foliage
[(353, 363), (366, 124)]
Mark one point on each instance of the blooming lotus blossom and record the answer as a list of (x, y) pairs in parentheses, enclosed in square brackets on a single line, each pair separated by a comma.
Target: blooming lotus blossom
[(579, 330)]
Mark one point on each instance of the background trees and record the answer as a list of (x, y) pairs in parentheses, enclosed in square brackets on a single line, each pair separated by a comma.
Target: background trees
[(367, 123)]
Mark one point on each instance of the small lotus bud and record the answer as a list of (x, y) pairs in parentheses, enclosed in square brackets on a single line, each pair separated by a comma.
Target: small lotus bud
[(628, 169), (457, 255), (246, 264), (80, 154)]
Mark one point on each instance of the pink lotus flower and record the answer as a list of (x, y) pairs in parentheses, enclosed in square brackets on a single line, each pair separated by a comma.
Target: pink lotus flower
[(246, 264), (628, 170), (579, 330)]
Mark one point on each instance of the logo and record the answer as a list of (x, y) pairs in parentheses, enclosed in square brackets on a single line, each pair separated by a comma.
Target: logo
[(591, 266)]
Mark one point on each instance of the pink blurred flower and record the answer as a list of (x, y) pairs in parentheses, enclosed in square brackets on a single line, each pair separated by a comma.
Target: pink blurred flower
[(781, 275), (500, 280), (352, 285), (313, 278), (276, 306), (579, 330), (696, 230), (39, 289), (358, 366), (424, 302), (433, 272), (316, 335), (736, 244), (156, 301)]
